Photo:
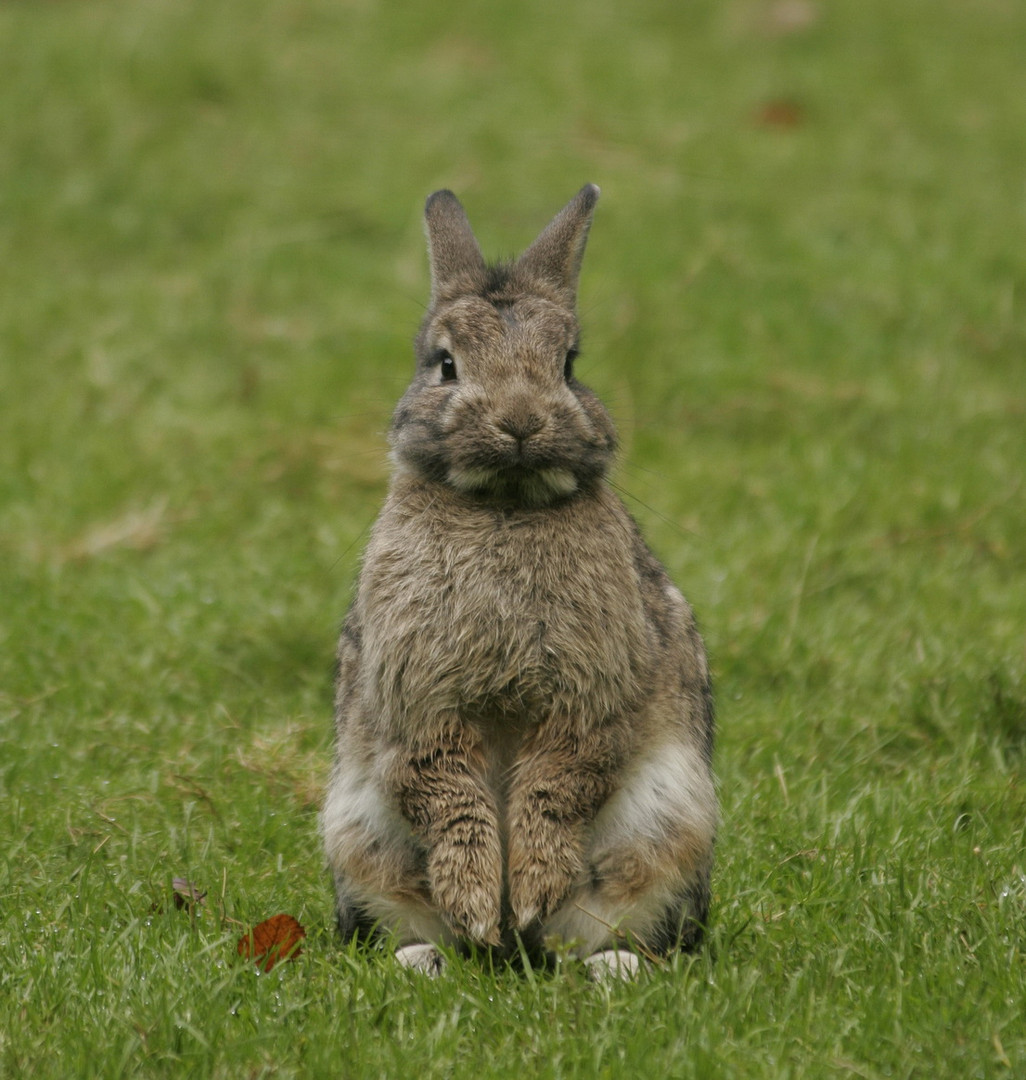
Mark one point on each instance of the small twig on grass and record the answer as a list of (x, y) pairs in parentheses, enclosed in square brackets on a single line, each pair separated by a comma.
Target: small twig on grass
[(21, 704), (961, 528), (110, 821), (186, 783), (654, 958), (807, 853)]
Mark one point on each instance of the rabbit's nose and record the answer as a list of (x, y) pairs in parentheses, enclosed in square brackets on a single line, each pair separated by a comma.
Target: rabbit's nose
[(521, 424)]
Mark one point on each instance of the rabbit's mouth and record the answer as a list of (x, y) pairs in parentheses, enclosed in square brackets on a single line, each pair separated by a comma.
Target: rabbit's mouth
[(532, 486)]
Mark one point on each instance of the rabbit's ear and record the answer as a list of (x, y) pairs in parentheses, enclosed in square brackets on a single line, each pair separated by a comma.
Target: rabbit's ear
[(556, 255), (452, 248)]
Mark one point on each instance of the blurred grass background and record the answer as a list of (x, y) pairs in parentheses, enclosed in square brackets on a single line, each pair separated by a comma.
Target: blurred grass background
[(803, 300)]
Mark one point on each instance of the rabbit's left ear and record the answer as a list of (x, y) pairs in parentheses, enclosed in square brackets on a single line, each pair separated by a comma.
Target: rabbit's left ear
[(452, 247), (555, 257)]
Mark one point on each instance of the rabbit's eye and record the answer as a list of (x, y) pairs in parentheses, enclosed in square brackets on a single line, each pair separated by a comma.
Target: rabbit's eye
[(568, 364), (446, 365)]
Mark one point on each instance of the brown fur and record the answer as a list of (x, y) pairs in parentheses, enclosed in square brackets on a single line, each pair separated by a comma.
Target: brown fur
[(523, 727)]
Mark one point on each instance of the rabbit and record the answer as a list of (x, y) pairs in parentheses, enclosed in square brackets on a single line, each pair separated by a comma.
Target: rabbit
[(524, 724)]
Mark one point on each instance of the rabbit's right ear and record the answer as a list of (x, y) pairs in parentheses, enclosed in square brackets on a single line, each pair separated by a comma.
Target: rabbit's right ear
[(452, 247), (556, 255)]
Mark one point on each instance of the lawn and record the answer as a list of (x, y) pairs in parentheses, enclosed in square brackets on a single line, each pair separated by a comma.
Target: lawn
[(804, 300)]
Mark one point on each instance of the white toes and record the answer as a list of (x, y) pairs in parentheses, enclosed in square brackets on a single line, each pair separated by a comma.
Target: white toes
[(613, 964), (601, 966), (423, 958)]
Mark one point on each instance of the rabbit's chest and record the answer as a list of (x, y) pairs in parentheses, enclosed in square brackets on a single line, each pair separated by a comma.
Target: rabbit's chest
[(515, 617)]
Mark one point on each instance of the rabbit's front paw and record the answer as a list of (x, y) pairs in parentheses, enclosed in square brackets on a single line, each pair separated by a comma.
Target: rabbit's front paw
[(541, 878), (466, 883)]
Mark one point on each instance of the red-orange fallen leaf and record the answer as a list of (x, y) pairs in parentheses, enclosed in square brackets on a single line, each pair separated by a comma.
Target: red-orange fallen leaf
[(780, 114), (272, 940), (186, 894)]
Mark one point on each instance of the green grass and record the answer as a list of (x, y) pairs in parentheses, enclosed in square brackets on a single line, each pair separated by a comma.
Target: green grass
[(813, 334)]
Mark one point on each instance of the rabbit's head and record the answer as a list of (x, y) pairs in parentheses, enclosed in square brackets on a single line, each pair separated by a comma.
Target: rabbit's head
[(494, 410)]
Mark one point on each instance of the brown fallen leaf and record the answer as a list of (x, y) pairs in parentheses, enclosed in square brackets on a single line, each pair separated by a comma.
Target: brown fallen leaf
[(780, 114), (272, 940), (187, 895)]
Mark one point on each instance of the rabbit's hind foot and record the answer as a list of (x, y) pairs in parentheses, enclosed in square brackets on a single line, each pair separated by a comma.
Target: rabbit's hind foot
[(422, 958), (612, 964)]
